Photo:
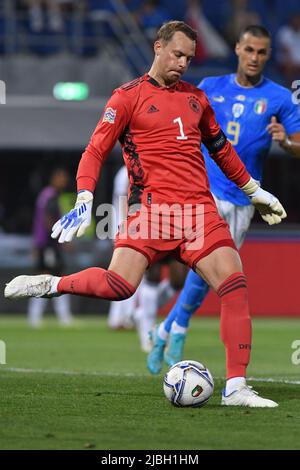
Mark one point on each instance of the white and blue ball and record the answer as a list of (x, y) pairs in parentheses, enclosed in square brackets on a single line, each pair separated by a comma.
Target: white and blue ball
[(188, 383)]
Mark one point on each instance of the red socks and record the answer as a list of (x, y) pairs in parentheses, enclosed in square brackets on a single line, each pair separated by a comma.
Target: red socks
[(235, 324), (96, 282)]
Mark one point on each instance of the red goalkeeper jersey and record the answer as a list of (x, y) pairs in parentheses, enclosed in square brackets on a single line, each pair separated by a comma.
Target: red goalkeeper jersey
[(160, 130)]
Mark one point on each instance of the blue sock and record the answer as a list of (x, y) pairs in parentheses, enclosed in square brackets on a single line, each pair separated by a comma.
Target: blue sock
[(191, 297)]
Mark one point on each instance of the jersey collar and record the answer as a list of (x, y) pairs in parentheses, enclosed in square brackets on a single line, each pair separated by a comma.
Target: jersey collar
[(248, 87), (156, 84)]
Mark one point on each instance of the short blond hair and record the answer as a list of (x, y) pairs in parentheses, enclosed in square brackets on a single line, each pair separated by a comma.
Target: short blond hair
[(167, 31)]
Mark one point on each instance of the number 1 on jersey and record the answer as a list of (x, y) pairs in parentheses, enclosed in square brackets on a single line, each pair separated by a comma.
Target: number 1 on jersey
[(182, 136)]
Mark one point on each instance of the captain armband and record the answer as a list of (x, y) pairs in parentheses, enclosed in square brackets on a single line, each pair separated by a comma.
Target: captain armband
[(217, 143)]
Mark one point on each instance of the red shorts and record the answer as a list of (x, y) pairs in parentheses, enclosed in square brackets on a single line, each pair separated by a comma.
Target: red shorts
[(187, 236)]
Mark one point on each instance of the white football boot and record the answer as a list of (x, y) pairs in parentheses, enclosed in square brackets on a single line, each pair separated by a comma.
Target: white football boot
[(22, 287), (246, 396)]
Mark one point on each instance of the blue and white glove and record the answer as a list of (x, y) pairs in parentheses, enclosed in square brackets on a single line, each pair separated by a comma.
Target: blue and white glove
[(267, 205), (77, 220)]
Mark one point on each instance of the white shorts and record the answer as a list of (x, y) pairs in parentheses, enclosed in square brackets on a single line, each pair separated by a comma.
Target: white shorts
[(237, 217)]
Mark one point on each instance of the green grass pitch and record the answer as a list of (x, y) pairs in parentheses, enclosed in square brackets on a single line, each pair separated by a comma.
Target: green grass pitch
[(86, 387)]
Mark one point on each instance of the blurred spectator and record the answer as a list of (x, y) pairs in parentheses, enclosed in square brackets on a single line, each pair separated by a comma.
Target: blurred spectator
[(108, 6), (242, 17), (209, 44), (47, 252), (288, 43), (40, 10), (150, 16)]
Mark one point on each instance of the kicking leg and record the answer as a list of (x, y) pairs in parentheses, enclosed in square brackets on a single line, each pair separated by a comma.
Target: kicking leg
[(117, 283)]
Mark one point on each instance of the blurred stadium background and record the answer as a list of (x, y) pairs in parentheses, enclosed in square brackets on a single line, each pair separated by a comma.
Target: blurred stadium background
[(60, 61)]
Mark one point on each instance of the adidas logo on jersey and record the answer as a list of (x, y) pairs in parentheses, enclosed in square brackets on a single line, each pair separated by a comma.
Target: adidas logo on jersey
[(152, 109)]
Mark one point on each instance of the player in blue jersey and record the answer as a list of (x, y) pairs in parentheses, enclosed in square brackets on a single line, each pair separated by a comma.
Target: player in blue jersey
[(253, 111)]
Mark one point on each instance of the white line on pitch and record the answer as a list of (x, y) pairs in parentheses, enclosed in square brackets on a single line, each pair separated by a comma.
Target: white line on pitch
[(132, 374), (71, 372)]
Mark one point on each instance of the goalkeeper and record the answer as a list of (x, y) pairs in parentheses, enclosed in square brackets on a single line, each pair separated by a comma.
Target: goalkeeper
[(248, 107), (160, 121)]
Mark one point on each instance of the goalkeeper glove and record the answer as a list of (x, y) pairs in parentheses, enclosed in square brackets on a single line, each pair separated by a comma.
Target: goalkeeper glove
[(77, 220), (267, 205)]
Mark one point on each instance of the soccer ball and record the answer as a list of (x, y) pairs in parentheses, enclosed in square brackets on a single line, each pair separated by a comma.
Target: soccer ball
[(188, 383)]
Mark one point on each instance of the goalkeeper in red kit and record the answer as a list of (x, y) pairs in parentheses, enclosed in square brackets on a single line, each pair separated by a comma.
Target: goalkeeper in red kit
[(160, 122)]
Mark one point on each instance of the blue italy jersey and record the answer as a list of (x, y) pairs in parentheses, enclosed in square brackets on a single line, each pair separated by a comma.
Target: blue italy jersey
[(243, 114)]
